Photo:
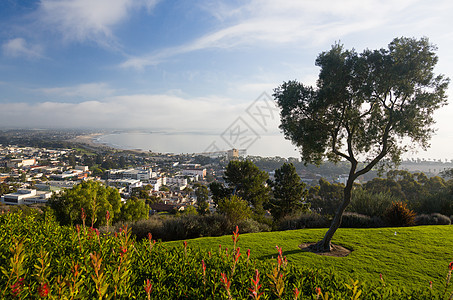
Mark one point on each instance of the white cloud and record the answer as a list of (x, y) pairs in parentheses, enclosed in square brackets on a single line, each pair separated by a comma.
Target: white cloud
[(81, 91), (19, 47), (275, 23), (128, 111), (82, 20)]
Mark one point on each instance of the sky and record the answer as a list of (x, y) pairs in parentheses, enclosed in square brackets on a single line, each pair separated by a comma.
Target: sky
[(191, 66)]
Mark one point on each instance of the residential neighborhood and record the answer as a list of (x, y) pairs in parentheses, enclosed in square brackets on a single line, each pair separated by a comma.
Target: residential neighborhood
[(34, 174)]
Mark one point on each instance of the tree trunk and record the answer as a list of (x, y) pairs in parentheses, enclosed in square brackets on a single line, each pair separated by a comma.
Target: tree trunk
[(325, 245)]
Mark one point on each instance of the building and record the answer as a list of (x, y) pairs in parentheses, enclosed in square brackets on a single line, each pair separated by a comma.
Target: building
[(25, 196), (157, 182), (232, 154), (69, 174), (17, 163), (138, 174), (125, 184), (178, 180), (195, 171)]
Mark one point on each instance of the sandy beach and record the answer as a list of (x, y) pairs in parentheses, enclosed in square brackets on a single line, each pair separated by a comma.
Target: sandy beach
[(89, 141)]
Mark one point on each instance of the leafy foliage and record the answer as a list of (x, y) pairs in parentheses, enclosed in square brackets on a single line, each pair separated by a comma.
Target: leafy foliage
[(235, 209), (202, 194), (41, 259), (363, 105), (355, 220), (432, 219), (288, 192), (93, 197), (370, 204), (325, 197), (399, 215), (247, 181)]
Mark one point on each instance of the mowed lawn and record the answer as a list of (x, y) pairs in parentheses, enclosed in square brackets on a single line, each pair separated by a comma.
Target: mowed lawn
[(410, 258)]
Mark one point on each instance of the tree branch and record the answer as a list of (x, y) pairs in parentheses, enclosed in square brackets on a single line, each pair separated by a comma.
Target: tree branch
[(383, 152)]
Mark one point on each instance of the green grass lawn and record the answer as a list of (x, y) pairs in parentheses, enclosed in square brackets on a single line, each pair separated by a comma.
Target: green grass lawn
[(411, 258)]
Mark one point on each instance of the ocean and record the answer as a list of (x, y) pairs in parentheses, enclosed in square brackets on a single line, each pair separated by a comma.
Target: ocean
[(268, 145)]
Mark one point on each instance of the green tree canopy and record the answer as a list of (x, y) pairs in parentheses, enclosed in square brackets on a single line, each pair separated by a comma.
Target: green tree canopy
[(247, 181), (133, 210), (362, 107), (234, 208), (325, 197), (202, 194), (288, 192), (95, 198)]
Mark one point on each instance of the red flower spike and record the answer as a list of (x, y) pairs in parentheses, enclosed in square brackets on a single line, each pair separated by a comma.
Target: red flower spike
[(225, 282), (203, 267), (17, 287), (296, 293), (318, 291), (255, 293), (450, 266), (43, 290), (148, 287)]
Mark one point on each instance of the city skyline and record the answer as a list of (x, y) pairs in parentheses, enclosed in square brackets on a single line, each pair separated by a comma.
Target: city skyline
[(188, 66)]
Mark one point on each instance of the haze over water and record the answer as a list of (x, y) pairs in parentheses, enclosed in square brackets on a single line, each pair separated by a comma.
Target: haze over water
[(189, 142)]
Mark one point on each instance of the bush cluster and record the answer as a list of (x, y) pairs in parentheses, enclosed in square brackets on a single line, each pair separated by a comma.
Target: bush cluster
[(355, 220), (398, 214), (43, 260), (432, 219), (192, 226), (303, 220)]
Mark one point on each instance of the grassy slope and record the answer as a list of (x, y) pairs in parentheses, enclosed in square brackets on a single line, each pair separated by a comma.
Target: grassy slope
[(411, 258)]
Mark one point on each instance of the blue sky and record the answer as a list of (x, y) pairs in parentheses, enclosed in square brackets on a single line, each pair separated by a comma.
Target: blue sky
[(188, 65)]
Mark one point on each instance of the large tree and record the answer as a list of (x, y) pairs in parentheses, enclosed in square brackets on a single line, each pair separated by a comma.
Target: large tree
[(93, 197), (364, 106), (247, 181), (288, 192), (202, 194)]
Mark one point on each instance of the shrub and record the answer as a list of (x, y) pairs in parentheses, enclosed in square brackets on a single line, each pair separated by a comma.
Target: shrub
[(191, 226), (441, 202), (432, 219), (370, 204), (253, 226), (41, 259), (234, 208), (304, 220), (399, 215), (355, 220), (153, 225)]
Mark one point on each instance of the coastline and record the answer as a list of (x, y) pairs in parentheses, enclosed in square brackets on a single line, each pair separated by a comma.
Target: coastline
[(90, 141)]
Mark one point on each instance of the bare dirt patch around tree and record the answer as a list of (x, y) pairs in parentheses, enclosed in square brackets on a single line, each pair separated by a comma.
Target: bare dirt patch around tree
[(337, 250)]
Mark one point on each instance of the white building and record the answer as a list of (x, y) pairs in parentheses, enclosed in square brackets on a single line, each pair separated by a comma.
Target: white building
[(195, 171), (82, 168), (157, 182), (17, 163), (125, 184), (343, 179), (178, 180), (25, 196), (138, 174)]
